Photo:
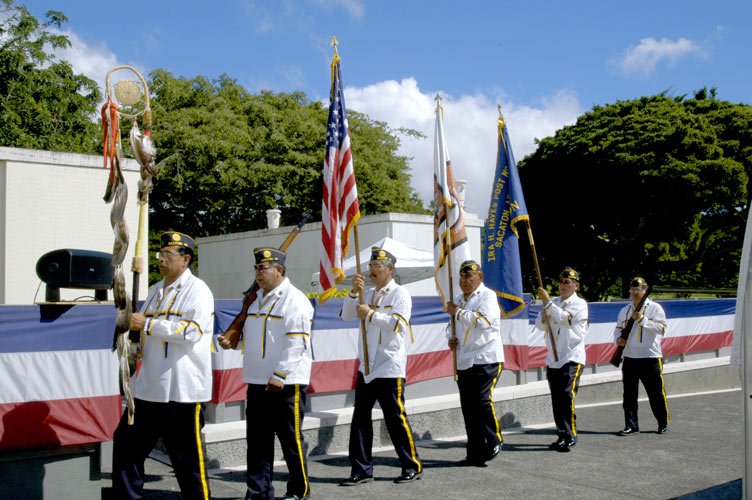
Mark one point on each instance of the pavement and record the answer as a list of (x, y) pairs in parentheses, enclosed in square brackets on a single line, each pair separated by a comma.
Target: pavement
[(701, 457)]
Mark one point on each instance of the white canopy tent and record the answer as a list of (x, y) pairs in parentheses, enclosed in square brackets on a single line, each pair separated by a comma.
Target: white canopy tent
[(413, 263)]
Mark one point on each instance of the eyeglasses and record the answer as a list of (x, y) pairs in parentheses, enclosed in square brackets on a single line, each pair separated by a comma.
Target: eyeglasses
[(375, 265), (565, 282), (261, 267), (635, 289), (166, 255)]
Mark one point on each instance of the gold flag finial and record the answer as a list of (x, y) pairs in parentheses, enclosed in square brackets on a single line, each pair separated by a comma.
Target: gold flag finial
[(501, 119), (336, 55), (438, 103)]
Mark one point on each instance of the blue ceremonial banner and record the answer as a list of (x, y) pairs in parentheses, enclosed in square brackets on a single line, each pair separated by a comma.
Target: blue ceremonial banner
[(501, 252)]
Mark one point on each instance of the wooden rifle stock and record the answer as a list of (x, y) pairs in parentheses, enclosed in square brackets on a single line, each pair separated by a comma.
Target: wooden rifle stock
[(236, 327), (619, 353)]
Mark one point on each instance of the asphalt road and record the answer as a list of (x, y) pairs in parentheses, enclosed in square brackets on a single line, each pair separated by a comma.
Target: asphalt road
[(701, 457)]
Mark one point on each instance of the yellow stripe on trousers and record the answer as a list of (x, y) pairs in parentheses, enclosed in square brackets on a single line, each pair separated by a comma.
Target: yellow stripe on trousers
[(493, 410), (663, 387), (204, 486), (574, 394), (403, 416), (299, 439)]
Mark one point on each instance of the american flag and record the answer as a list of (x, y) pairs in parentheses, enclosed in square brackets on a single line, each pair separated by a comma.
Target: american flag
[(339, 210)]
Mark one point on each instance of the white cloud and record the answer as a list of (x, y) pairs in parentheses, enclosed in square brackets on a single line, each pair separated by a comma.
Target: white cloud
[(93, 61), (265, 24), (272, 16), (294, 76), (469, 120), (470, 123), (643, 58), (355, 8)]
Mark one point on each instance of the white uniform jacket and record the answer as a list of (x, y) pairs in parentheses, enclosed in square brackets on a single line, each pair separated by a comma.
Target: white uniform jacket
[(277, 337), (644, 339), (569, 324), (386, 327), (478, 329), (176, 342)]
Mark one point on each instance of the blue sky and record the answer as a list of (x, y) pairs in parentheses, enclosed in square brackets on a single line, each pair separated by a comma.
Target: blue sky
[(545, 63)]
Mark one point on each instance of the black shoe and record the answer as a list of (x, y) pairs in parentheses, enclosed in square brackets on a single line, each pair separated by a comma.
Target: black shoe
[(628, 431), (663, 429), (471, 462), (571, 442), (493, 452), (557, 445), (356, 479), (408, 477), (294, 497), (564, 447)]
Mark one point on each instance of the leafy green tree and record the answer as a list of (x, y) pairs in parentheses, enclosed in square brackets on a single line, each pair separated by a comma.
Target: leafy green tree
[(240, 154), (657, 186), (43, 104)]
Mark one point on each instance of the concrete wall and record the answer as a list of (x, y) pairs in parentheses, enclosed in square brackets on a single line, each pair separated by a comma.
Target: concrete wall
[(72, 472), (50, 201), (225, 261)]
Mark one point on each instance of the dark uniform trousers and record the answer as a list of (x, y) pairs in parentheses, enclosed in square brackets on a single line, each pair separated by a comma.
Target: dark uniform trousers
[(267, 414), (650, 372), (179, 425), (476, 385), (563, 383), (389, 392)]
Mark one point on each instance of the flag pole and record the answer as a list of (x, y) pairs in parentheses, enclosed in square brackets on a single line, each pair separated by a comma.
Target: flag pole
[(448, 246), (447, 206), (366, 369), (540, 284)]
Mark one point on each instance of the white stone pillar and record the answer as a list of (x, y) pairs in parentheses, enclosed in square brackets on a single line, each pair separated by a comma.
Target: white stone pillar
[(461, 187), (272, 217)]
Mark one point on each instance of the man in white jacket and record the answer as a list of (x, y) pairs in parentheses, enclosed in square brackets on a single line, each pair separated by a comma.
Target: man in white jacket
[(175, 377), (643, 358), (386, 315), (277, 359), (480, 357), (565, 318)]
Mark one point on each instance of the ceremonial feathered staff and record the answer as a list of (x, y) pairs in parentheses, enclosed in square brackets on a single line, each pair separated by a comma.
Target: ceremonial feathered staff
[(127, 93)]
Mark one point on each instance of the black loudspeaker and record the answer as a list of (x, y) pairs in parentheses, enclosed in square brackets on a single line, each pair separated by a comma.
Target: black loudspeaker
[(71, 268)]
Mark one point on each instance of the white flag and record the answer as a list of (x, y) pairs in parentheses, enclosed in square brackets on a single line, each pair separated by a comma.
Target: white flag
[(447, 216)]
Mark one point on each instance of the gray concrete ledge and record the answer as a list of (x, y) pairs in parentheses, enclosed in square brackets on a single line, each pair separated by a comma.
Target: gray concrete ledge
[(439, 417), (67, 472), (59, 158)]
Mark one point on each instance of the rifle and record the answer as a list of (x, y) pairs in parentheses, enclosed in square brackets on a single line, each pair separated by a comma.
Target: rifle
[(616, 358), (236, 327)]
